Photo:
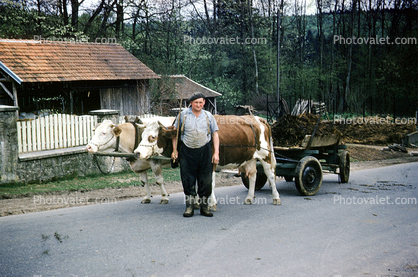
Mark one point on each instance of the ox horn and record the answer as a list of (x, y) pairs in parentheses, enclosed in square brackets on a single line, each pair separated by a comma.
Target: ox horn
[(95, 127), (161, 125), (138, 120)]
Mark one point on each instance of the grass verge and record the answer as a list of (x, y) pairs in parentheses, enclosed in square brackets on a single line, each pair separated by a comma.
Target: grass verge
[(123, 179)]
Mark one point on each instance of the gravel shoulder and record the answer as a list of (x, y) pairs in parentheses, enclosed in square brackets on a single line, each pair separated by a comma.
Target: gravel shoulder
[(363, 157)]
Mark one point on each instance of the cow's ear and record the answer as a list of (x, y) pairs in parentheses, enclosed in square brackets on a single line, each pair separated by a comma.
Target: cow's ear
[(117, 131)]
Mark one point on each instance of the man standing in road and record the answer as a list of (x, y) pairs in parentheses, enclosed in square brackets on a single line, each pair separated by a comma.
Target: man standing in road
[(197, 128)]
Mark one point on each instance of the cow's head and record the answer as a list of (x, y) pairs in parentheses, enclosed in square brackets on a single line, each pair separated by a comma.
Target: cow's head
[(104, 137), (154, 139)]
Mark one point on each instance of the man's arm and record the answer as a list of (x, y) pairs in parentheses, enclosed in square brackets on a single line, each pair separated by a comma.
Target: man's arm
[(174, 154), (215, 157)]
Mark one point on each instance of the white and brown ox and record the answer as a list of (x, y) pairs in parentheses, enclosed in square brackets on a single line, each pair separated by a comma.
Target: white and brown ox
[(105, 140), (243, 141)]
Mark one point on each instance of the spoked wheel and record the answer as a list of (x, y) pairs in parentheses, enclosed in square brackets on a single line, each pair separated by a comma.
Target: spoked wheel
[(308, 176), (260, 180), (344, 166)]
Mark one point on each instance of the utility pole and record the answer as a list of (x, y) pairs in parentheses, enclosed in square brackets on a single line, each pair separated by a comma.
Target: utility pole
[(278, 60)]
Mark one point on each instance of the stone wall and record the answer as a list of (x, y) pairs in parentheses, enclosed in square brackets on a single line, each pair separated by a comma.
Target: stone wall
[(8, 143), (49, 165)]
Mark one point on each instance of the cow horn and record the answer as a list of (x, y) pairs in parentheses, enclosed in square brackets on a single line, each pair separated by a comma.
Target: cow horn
[(161, 125), (95, 127), (138, 120)]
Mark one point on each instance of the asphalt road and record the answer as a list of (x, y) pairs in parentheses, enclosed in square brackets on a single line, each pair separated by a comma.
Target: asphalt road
[(367, 227)]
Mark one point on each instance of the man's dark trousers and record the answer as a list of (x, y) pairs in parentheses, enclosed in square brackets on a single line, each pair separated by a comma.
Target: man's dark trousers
[(196, 164)]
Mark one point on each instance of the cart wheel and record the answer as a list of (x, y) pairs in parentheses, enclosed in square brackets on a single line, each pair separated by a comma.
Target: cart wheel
[(308, 176), (260, 180), (344, 166), (288, 178)]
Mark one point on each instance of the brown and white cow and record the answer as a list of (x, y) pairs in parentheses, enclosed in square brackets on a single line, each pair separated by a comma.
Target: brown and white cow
[(243, 141), (104, 140)]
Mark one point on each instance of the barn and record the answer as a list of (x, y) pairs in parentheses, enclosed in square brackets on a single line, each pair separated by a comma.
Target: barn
[(176, 88), (74, 78)]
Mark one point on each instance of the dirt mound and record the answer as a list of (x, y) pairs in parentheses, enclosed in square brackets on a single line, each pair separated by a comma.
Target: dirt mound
[(377, 132), (290, 130)]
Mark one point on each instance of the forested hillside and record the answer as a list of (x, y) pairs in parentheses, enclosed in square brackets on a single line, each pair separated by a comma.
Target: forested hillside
[(353, 55)]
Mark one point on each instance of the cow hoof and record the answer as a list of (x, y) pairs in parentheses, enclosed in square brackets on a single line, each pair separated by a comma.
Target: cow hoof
[(213, 208), (164, 201), (248, 201), (277, 201), (146, 201)]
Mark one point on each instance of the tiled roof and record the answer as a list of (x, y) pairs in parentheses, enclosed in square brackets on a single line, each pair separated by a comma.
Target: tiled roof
[(186, 87), (33, 61)]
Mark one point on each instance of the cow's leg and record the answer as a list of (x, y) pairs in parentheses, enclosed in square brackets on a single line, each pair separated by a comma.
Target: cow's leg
[(156, 169), (271, 176), (251, 189), (212, 198), (250, 170), (144, 180)]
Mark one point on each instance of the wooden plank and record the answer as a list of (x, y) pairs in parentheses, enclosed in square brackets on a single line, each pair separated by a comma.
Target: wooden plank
[(55, 125), (77, 130), (38, 134), (64, 129), (72, 130), (68, 132), (84, 130), (15, 95), (6, 90), (281, 148), (320, 141), (19, 136), (24, 133), (42, 132), (48, 132), (128, 155), (29, 136), (89, 128), (115, 154), (60, 133)]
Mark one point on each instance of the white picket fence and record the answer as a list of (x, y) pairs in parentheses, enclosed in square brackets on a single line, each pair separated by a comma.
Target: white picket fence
[(54, 132), (57, 131)]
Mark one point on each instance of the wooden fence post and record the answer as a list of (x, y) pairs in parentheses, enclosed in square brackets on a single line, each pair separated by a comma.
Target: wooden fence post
[(9, 149)]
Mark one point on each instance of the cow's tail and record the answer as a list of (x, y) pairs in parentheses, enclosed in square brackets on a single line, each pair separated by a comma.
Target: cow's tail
[(272, 156)]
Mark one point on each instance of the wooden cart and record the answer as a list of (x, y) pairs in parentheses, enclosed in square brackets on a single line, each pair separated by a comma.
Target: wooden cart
[(305, 164)]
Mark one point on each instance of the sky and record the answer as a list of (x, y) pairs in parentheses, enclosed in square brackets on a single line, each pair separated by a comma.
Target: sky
[(310, 5)]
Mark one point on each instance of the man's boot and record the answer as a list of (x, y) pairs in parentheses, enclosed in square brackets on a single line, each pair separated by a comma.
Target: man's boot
[(204, 207), (189, 206)]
